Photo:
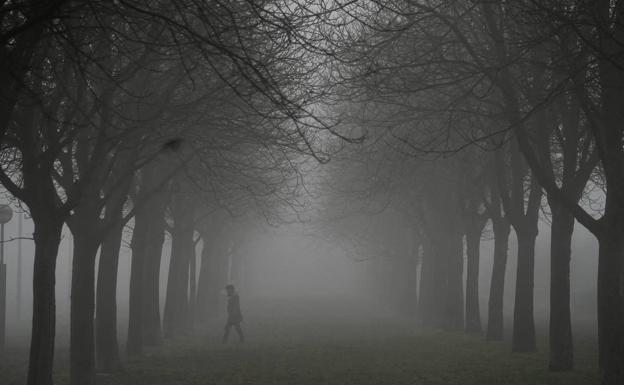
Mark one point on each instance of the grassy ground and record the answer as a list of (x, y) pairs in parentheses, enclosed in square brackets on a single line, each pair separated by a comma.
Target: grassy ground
[(307, 349)]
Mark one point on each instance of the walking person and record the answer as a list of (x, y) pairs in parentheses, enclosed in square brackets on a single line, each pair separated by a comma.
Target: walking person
[(235, 317)]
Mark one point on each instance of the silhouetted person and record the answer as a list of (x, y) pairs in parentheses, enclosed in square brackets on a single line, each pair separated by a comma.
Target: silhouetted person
[(235, 317)]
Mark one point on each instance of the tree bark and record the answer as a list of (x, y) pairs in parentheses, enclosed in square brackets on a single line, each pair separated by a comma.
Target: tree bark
[(152, 329), (611, 304), (523, 338), (610, 236), (144, 327), (134, 346), (560, 324), (211, 278), (82, 337), (107, 347), (47, 236), (176, 304), (206, 303), (495, 328), (473, 243)]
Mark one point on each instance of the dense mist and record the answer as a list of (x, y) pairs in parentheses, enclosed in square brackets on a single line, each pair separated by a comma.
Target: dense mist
[(291, 264), (311, 192)]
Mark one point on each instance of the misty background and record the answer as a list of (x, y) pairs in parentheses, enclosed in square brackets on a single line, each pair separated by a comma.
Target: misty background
[(288, 263), (438, 181)]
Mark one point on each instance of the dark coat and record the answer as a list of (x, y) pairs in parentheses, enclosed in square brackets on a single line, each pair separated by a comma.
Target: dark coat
[(233, 308)]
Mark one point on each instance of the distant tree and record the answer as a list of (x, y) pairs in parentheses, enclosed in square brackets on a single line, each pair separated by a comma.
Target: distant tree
[(501, 229), (61, 76), (475, 217)]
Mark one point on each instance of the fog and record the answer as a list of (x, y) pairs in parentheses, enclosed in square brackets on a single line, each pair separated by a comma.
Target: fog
[(311, 192), (288, 264)]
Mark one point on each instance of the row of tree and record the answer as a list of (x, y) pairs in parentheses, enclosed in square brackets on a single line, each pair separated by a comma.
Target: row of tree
[(115, 112), (170, 117), (496, 102)]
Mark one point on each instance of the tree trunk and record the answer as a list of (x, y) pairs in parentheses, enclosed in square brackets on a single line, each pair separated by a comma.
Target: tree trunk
[(134, 345), (502, 229), (473, 314), (107, 348), (611, 305), (152, 330), (210, 279), (610, 235), (523, 338), (144, 328), (82, 338), (205, 304), (176, 304), (47, 236), (560, 327)]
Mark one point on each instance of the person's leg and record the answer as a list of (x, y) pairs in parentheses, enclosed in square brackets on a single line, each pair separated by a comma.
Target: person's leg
[(239, 331), (226, 334)]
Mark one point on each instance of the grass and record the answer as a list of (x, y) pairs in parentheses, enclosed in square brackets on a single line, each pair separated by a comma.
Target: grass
[(304, 350), (381, 351)]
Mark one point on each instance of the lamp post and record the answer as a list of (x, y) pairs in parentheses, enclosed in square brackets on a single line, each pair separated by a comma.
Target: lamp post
[(5, 216)]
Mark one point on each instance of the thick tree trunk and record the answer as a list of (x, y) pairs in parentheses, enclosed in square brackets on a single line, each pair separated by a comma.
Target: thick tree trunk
[(82, 338), (107, 347), (473, 314), (611, 233), (502, 229), (523, 338), (47, 236), (134, 345), (176, 317), (611, 305), (144, 328), (560, 327), (152, 330)]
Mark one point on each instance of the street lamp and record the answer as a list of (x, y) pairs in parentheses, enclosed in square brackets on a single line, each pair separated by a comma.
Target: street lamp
[(5, 216)]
